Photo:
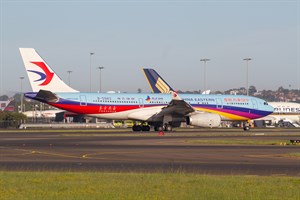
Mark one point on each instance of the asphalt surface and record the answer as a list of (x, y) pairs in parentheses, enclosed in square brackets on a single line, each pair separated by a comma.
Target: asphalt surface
[(148, 152)]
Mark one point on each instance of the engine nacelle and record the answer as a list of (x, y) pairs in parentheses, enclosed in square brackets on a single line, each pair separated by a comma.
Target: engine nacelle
[(204, 120)]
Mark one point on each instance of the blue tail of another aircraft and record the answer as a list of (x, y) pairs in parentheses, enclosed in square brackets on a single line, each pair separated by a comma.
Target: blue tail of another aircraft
[(156, 82)]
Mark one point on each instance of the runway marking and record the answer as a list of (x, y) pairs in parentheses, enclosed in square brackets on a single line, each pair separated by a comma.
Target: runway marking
[(120, 152), (11, 154), (84, 156), (162, 155), (51, 154), (31, 152), (257, 134), (271, 156)]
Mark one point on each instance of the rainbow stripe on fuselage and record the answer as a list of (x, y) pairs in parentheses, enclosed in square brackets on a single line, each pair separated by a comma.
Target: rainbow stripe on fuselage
[(116, 105)]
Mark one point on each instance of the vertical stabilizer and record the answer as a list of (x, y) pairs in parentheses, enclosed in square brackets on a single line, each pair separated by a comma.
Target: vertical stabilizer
[(41, 76), (156, 82)]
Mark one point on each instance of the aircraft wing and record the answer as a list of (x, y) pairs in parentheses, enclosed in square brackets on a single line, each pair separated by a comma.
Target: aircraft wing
[(176, 107)]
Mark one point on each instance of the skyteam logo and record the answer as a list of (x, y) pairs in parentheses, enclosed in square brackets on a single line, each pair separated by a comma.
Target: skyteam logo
[(46, 75), (148, 99)]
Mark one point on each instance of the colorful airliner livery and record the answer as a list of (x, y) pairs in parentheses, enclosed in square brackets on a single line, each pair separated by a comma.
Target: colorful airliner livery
[(232, 105), (163, 111)]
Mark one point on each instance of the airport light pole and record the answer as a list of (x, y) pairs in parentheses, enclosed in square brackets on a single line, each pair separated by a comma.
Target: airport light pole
[(69, 77), (204, 60), (21, 80), (100, 68), (91, 70), (247, 74)]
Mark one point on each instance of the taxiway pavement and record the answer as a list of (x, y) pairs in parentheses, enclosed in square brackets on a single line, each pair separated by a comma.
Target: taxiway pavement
[(113, 151)]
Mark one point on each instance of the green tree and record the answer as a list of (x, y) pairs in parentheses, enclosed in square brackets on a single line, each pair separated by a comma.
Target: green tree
[(252, 90), (4, 98), (11, 119)]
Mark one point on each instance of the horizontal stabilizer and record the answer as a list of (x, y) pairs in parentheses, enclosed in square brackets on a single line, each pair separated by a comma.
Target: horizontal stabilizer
[(46, 96)]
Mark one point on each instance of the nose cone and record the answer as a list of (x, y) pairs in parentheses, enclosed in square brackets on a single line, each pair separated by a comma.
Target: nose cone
[(270, 109)]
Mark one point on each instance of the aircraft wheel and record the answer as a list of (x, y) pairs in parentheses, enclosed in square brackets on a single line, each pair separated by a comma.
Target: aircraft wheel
[(136, 128), (246, 128), (158, 128), (168, 128), (146, 128)]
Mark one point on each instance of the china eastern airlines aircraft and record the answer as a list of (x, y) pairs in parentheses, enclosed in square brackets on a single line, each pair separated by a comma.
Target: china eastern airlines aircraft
[(163, 111)]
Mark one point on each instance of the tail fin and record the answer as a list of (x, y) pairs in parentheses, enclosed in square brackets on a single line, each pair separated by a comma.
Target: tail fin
[(7, 105), (156, 82), (40, 75)]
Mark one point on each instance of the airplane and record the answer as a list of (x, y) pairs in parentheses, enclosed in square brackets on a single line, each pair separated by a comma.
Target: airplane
[(163, 111), (159, 85), (284, 112), (42, 114), (7, 105)]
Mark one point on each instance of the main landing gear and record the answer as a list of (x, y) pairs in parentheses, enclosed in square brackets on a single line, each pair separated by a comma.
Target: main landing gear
[(157, 127), (166, 127), (142, 127)]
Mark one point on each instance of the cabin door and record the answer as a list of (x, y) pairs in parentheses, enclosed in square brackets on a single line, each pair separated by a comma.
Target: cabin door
[(254, 104), (83, 100), (219, 103), (141, 102)]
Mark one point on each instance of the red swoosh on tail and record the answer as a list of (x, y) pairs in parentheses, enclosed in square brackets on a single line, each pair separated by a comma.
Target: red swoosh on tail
[(49, 75)]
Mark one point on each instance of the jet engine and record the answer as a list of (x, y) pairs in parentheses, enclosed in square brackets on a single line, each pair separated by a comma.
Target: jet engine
[(204, 120)]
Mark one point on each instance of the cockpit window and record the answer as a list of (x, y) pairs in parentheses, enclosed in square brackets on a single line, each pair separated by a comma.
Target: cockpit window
[(266, 103)]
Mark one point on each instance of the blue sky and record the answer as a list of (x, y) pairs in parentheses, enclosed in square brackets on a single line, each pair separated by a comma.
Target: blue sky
[(169, 36)]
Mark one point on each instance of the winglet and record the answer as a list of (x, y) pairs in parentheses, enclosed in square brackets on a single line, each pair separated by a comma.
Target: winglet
[(175, 96)]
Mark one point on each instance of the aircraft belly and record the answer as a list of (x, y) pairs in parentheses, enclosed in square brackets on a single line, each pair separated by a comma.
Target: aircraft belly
[(292, 118), (142, 114), (116, 116)]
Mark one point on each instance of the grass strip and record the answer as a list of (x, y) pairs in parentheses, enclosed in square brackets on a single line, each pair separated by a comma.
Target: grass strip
[(65, 130), (240, 141), (97, 185), (294, 155)]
